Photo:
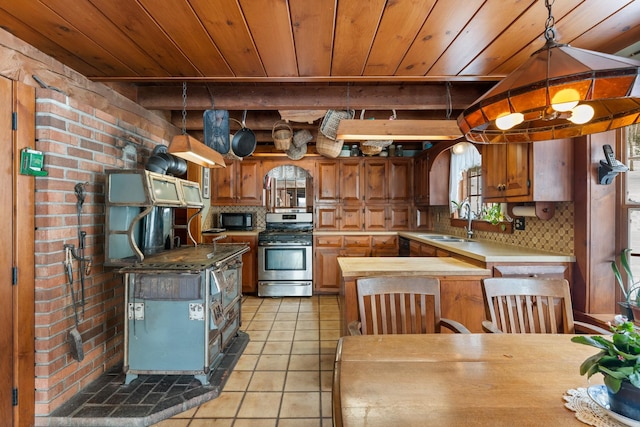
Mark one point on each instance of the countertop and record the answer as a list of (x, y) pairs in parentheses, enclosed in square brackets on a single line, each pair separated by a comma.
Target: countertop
[(486, 251), (408, 266)]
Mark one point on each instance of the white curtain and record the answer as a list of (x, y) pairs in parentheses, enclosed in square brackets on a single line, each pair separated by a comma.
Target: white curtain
[(469, 158)]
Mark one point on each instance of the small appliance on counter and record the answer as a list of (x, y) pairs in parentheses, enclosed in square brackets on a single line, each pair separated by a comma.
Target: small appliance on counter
[(236, 221)]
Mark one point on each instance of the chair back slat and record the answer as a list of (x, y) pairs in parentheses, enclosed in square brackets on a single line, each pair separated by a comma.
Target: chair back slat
[(529, 305), (399, 305)]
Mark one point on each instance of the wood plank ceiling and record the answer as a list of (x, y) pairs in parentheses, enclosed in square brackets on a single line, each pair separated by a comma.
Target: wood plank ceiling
[(423, 58)]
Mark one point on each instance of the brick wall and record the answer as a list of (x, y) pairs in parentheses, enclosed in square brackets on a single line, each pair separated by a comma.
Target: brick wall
[(79, 142)]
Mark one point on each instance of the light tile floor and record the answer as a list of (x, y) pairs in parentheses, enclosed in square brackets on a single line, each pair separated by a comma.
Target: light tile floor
[(284, 376)]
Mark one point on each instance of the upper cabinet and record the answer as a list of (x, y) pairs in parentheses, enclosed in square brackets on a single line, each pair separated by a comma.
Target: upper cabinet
[(240, 183), (364, 194), (528, 172), (431, 176)]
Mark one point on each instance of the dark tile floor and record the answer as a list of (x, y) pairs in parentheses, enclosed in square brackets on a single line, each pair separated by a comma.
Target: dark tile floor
[(108, 402)]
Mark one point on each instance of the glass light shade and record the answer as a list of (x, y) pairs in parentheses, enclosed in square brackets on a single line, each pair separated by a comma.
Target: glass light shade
[(554, 75), (565, 100), (581, 114), (459, 148), (509, 120)]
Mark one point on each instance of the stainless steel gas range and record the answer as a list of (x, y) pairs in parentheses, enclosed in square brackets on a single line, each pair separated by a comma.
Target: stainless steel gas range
[(285, 255)]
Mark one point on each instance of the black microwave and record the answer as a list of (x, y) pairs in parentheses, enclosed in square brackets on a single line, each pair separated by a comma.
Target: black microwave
[(236, 220)]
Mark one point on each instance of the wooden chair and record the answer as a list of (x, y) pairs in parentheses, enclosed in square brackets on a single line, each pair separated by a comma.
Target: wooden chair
[(400, 305), (531, 305)]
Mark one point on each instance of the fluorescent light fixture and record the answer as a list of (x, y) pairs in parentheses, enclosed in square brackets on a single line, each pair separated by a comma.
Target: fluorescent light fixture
[(401, 130), (192, 150)]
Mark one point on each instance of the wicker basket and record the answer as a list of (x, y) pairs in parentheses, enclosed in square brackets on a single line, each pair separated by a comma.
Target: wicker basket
[(328, 147), (302, 116), (301, 137), (282, 135), (370, 150), (329, 126)]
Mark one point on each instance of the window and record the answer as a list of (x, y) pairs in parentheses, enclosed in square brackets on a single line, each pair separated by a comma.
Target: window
[(631, 200)]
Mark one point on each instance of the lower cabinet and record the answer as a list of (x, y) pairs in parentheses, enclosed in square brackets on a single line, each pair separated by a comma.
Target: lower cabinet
[(327, 248), (249, 260), (423, 249)]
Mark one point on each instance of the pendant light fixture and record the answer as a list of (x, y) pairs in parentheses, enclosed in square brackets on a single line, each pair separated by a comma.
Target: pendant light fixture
[(189, 148), (559, 92)]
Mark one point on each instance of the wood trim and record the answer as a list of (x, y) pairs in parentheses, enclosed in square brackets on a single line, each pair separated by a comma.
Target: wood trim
[(484, 225), (24, 258)]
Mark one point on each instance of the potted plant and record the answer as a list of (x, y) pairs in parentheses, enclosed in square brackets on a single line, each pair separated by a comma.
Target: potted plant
[(631, 294), (619, 362)]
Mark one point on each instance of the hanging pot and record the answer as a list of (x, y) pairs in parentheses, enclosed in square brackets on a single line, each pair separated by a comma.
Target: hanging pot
[(244, 141)]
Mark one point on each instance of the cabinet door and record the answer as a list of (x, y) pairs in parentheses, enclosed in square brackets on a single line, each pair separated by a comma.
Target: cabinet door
[(399, 217), (223, 185), (351, 218), (357, 245), (350, 181), (327, 217), (375, 217), (376, 181), (384, 245), (517, 179), (249, 179), (505, 171), (327, 276), (249, 264), (400, 180), (493, 170), (327, 181), (421, 179)]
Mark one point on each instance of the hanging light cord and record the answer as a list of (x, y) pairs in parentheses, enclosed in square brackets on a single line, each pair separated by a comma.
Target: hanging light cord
[(184, 108), (550, 24), (449, 103)]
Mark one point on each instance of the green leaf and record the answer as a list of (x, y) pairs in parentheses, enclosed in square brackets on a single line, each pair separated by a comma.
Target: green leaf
[(612, 384), (624, 260), (616, 272)]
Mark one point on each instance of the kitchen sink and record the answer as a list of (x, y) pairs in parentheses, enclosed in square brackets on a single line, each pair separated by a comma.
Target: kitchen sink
[(444, 238)]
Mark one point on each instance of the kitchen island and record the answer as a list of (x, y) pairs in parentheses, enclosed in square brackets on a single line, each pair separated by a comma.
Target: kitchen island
[(460, 284)]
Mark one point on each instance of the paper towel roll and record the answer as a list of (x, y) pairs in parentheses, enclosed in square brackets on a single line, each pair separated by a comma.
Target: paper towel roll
[(524, 211)]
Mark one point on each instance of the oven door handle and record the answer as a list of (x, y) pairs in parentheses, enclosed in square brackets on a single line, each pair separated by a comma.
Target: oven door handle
[(283, 244)]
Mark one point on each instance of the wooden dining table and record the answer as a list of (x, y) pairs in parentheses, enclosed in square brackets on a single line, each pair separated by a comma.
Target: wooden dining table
[(457, 380)]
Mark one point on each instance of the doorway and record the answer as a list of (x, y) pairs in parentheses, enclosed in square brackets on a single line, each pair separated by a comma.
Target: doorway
[(17, 289)]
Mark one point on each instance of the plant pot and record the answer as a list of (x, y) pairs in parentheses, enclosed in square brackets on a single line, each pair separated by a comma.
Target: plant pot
[(626, 310), (636, 313), (626, 401)]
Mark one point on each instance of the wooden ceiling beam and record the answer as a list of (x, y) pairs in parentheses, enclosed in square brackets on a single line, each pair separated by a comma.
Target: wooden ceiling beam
[(282, 97)]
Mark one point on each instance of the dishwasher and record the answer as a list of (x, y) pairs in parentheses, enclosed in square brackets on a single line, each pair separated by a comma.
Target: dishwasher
[(404, 246)]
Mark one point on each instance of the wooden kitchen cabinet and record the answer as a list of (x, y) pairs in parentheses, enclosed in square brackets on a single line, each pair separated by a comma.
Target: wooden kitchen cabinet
[(424, 249), (337, 217), (350, 179), (384, 245), (431, 177), (528, 172), (240, 183), (327, 248), (326, 274), (249, 259), (364, 194), (388, 180), (327, 181), (376, 179), (400, 180)]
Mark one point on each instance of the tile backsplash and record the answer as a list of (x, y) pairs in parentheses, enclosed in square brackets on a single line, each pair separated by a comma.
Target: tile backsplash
[(552, 235)]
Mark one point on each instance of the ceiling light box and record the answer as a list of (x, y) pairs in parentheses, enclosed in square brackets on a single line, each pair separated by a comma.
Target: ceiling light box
[(406, 130)]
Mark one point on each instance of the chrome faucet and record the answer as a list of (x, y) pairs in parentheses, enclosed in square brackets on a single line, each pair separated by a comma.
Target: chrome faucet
[(469, 218)]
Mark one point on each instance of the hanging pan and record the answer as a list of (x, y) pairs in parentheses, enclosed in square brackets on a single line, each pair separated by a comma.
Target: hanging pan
[(244, 141)]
